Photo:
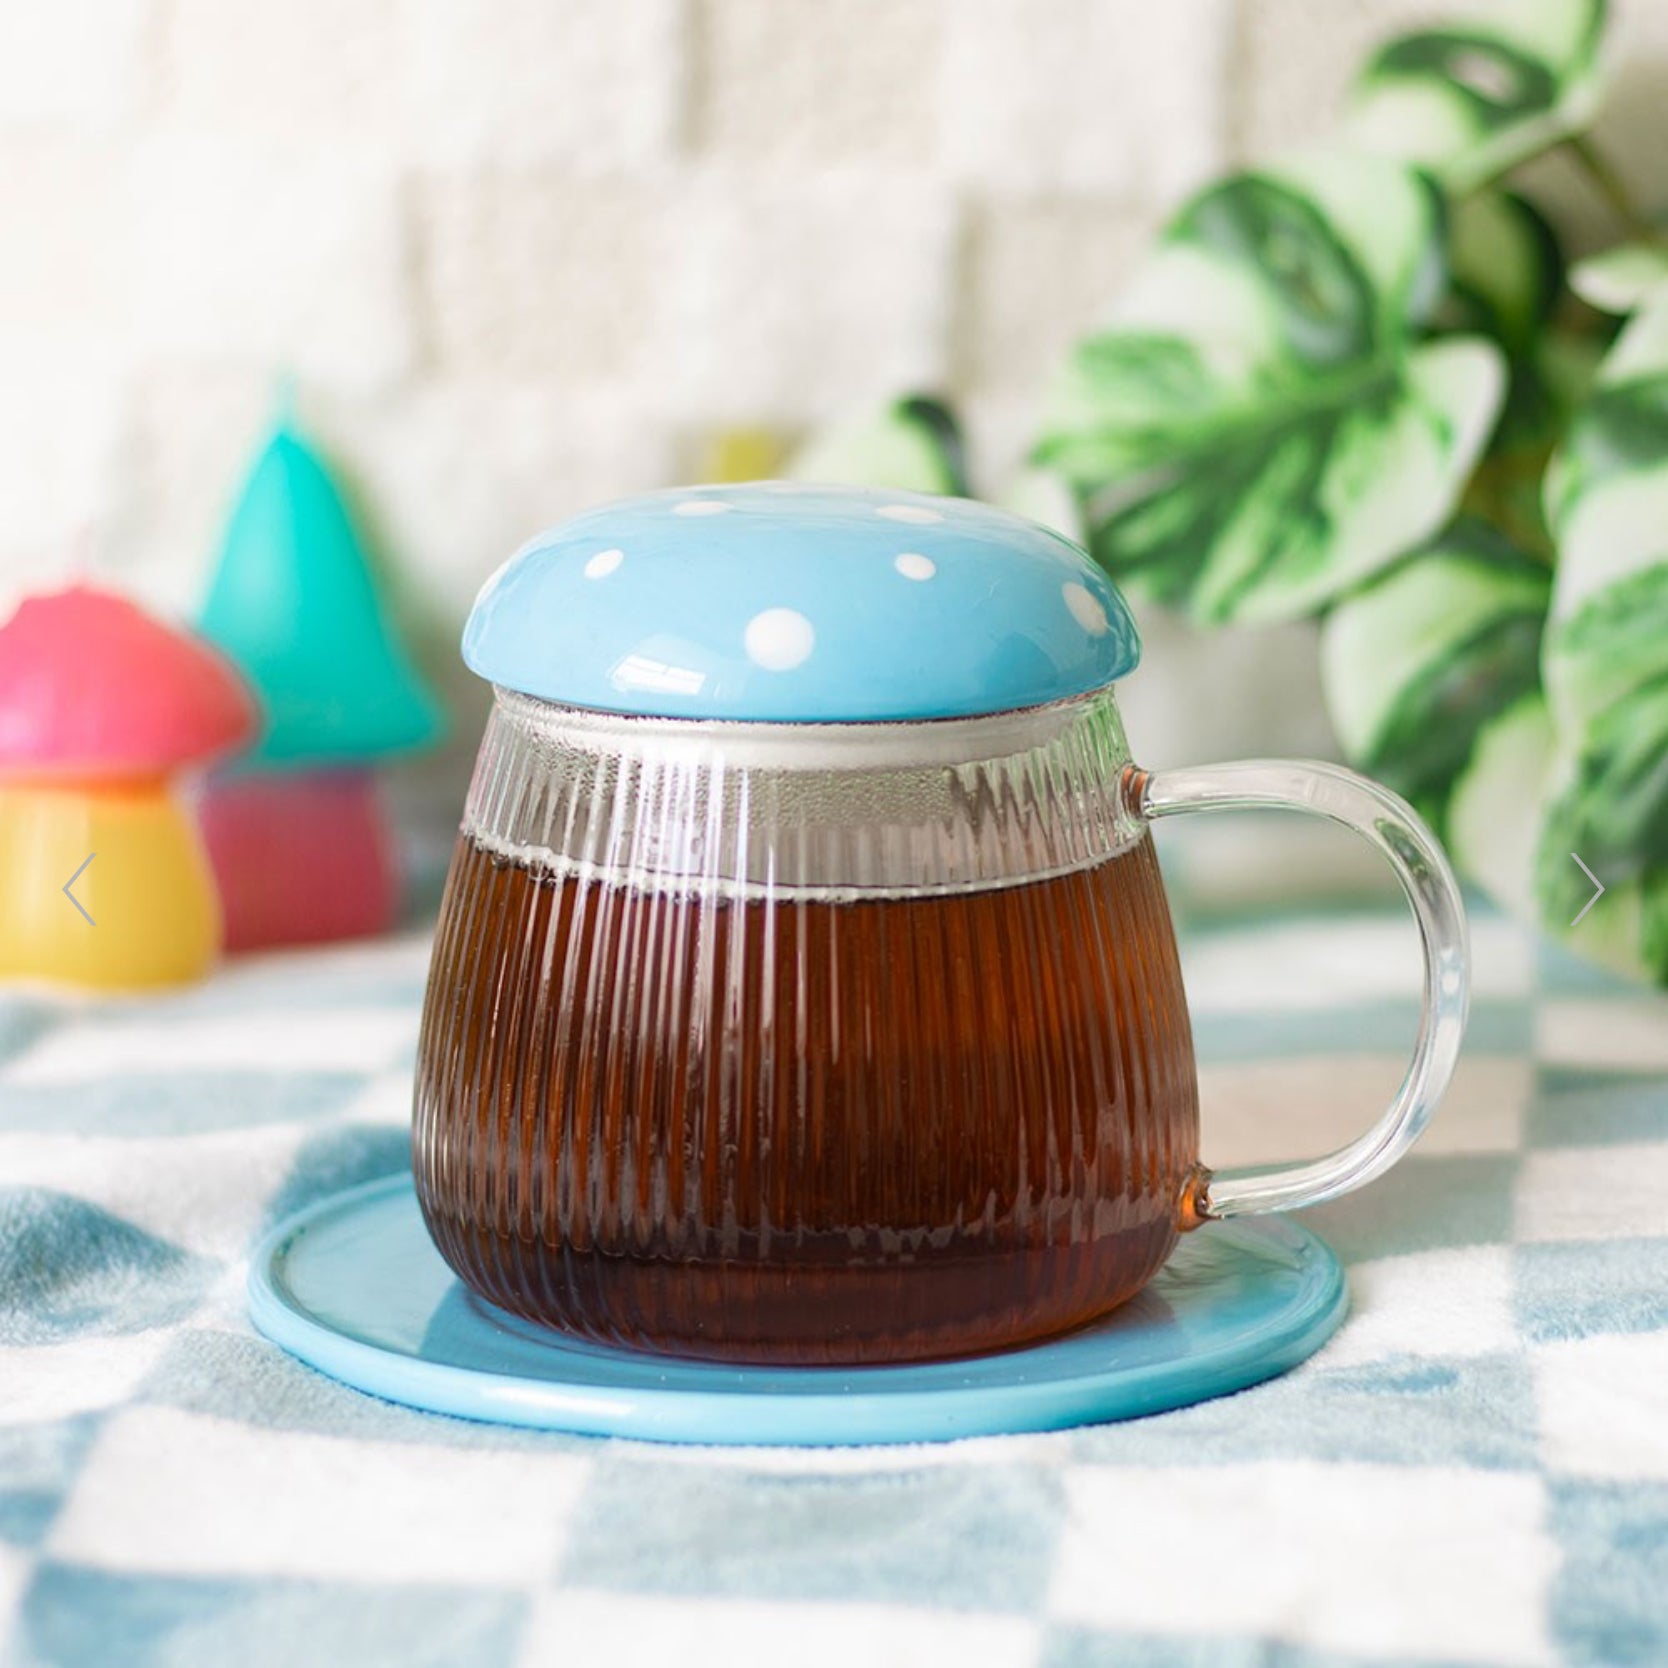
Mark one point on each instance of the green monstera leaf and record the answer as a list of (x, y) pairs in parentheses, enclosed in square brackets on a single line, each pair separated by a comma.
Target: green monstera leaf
[(1606, 656), (1470, 101), (1260, 426), (1417, 663)]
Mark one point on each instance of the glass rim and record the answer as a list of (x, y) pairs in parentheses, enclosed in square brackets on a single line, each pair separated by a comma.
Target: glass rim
[(855, 744)]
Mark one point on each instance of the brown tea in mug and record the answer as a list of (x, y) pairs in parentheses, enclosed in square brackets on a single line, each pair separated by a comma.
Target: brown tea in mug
[(800, 1127)]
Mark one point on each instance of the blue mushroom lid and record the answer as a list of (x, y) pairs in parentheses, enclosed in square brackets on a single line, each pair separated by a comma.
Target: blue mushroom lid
[(781, 602)]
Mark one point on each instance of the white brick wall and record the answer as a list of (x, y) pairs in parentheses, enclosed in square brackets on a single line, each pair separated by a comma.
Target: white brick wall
[(522, 254), (79, 62), (1297, 62), (792, 294), (304, 72), (588, 84), (800, 84), (532, 272), (1086, 95), (460, 471), (62, 275), (59, 443), (188, 437), (1037, 270), (249, 251)]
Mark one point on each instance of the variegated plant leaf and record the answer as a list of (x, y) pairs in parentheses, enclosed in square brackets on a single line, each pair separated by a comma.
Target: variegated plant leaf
[(1607, 502), (1505, 269), (1505, 275), (1259, 428), (1472, 100), (1621, 278), (1610, 806), (1045, 496), (1493, 821), (911, 444), (1606, 653), (1418, 662)]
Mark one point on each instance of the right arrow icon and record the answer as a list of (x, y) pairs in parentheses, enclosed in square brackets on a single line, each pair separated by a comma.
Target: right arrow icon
[(1595, 897)]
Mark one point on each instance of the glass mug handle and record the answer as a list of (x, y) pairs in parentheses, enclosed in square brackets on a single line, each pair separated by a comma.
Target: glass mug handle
[(1388, 823)]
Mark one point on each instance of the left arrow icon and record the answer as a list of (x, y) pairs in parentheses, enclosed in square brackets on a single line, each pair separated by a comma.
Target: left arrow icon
[(72, 880)]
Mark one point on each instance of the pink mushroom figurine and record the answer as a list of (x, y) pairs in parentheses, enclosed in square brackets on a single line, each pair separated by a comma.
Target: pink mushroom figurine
[(103, 878)]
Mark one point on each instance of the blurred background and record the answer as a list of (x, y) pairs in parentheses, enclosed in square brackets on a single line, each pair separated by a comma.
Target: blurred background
[(518, 256)]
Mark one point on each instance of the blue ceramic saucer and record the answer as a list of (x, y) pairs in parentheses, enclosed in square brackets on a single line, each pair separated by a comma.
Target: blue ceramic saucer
[(354, 1287)]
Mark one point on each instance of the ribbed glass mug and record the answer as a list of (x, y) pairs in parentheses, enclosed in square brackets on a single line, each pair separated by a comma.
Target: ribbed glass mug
[(848, 1042)]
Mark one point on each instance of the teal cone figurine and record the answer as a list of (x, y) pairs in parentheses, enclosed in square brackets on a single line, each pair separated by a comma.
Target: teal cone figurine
[(296, 832)]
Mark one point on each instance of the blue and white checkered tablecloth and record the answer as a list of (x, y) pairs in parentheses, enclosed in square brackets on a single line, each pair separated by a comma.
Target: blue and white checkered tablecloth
[(1475, 1470)]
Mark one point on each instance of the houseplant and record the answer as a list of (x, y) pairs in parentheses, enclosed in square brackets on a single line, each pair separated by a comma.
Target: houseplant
[(1362, 384)]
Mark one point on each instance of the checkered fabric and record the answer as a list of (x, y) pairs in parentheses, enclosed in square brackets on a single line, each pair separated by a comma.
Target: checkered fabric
[(1475, 1470)]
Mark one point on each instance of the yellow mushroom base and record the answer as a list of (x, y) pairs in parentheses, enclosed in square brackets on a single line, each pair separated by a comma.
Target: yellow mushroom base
[(155, 919)]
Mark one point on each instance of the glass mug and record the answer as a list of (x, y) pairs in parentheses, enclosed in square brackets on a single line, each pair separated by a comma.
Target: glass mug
[(845, 1042)]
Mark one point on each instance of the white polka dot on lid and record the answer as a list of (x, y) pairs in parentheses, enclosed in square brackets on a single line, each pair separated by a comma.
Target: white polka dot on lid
[(603, 563), (1085, 609), (701, 506), (913, 565), (918, 514), (779, 639)]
